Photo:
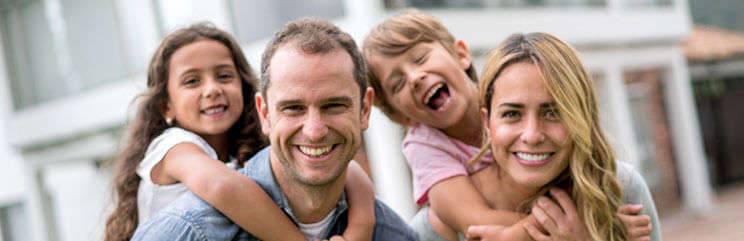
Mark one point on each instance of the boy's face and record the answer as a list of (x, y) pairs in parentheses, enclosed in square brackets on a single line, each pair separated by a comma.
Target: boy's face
[(427, 84)]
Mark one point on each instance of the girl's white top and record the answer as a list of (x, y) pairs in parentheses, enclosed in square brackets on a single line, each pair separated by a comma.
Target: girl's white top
[(152, 197)]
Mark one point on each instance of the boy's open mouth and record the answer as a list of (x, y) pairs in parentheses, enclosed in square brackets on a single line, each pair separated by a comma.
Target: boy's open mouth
[(437, 96)]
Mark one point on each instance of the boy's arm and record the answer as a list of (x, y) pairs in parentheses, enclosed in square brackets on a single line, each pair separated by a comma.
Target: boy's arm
[(361, 196), (233, 194), (458, 204)]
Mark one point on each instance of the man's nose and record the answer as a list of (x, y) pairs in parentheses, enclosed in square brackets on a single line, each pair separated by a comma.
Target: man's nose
[(315, 127)]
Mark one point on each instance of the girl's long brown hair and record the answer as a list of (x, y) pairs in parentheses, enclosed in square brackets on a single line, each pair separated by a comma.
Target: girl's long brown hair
[(591, 172), (245, 136)]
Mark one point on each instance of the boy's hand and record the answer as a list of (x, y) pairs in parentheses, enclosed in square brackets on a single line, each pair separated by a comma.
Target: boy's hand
[(561, 222), (638, 226), (484, 232)]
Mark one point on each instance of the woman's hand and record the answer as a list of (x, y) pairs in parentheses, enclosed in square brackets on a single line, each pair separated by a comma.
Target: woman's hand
[(561, 221), (638, 226)]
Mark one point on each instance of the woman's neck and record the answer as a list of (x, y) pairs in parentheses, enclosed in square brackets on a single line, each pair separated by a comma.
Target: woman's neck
[(500, 190)]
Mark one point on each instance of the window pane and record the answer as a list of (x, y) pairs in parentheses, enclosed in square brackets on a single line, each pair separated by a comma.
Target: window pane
[(58, 47), (13, 223), (260, 18), (492, 3)]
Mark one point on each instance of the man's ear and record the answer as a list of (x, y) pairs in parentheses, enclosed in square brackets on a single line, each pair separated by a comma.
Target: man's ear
[(263, 113), (369, 96), (463, 54)]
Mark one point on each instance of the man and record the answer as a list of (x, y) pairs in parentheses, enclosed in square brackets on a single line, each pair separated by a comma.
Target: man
[(313, 104)]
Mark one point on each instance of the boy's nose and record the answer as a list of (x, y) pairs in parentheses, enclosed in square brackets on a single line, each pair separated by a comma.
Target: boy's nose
[(417, 79)]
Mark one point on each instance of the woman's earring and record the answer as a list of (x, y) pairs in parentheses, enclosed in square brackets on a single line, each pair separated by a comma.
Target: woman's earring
[(169, 121)]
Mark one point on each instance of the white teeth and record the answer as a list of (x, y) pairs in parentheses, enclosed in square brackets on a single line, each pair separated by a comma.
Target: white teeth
[(214, 110), (315, 152), (532, 157), (432, 92)]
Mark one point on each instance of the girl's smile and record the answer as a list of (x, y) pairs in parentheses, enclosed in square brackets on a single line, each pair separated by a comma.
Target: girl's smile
[(204, 89)]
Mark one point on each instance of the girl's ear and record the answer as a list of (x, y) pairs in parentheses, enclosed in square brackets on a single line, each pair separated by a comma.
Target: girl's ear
[(168, 111), (463, 54)]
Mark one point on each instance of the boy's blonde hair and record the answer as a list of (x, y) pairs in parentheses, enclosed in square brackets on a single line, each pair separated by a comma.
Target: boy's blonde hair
[(397, 35), (591, 172)]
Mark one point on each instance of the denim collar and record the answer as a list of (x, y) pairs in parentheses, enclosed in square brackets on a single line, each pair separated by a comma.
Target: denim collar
[(258, 168)]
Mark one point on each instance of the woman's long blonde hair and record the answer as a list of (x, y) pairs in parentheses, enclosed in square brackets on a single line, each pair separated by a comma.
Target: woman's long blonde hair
[(591, 172)]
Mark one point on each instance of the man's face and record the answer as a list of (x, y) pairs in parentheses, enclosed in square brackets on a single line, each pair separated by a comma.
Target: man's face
[(312, 114)]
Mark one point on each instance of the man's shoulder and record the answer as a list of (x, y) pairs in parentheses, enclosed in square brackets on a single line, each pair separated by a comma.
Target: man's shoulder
[(187, 218), (390, 226)]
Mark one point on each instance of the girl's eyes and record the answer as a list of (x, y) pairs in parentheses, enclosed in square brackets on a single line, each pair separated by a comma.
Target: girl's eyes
[(190, 81)]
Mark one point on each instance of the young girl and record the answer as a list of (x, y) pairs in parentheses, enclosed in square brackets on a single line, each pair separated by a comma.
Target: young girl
[(196, 119), (423, 79)]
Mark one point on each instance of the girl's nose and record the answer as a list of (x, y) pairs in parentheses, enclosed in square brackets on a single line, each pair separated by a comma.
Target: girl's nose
[(212, 89)]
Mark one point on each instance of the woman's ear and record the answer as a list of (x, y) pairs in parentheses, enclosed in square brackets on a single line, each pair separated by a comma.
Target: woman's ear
[(484, 119), (463, 54)]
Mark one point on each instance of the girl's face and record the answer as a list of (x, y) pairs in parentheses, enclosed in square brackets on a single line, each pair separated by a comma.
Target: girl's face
[(204, 88), (528, 140), (427, 84)]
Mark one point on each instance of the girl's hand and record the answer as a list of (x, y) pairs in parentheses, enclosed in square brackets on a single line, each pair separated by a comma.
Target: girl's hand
[(485, 232), (561, 222), (638, 226), (334, 238)]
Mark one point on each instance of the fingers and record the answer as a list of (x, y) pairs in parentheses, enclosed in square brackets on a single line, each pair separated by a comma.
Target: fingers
[(534, 233), (476, 231), (630, 209), (544, 219), (567, 204), (337, 238)]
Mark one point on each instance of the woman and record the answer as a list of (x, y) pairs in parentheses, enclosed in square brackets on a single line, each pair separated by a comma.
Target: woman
[(540, 113)]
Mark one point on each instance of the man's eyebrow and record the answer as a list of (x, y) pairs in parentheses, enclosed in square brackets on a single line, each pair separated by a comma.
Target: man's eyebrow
[(288, 102), (339, 99), (513, 105)]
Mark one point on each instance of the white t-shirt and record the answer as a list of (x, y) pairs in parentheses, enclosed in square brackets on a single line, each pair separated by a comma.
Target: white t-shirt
[(316, 230), (152, 197)]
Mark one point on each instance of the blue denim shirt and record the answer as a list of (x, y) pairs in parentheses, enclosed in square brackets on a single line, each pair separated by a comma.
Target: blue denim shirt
[(190, 218)]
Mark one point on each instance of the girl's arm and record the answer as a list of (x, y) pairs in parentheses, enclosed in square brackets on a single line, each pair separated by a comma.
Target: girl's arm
[(233, 194), (361, 196), (459, 205)]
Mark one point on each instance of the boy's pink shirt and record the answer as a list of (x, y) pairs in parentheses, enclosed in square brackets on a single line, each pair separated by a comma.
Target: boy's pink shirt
[(433, 156)]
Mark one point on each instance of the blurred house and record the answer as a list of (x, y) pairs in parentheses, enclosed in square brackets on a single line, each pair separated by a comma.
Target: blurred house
[(70, 70), (716, 60)]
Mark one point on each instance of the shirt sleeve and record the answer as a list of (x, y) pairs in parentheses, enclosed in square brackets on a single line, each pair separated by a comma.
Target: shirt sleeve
[(163, 143), (635, 191), (430, 161), (166, 226)]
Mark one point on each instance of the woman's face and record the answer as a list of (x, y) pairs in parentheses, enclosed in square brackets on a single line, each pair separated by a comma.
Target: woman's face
[(528, 140)]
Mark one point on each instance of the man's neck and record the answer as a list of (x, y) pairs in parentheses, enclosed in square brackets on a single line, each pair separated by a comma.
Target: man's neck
[(309, 204)]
